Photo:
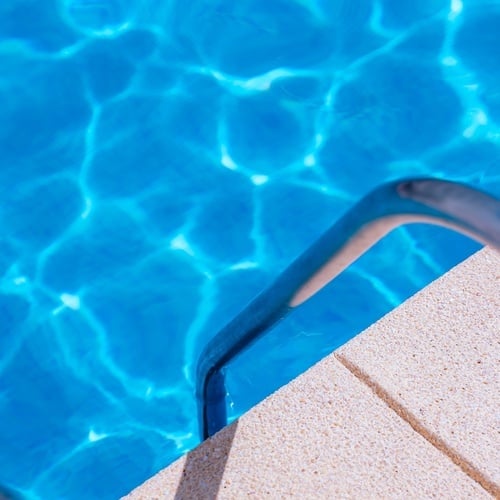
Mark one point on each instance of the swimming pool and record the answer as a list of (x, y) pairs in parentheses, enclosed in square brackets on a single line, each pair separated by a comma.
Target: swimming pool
[(162, 164)]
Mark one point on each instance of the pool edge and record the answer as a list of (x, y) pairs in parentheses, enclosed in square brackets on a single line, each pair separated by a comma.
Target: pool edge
[(391, 412)]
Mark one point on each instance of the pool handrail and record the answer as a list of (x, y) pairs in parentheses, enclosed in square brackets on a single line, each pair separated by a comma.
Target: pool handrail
[(421, 200)]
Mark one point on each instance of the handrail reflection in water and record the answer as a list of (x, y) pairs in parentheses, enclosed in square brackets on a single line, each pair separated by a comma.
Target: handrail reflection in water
[(449, 204)]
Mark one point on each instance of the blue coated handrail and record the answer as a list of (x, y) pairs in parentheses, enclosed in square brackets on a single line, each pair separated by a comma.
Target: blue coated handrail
[(453, 205)]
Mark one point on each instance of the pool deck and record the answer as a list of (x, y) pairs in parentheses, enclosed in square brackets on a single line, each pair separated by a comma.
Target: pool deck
[(410, 408)]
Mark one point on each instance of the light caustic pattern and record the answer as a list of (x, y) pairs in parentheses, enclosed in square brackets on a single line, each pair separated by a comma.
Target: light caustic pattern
[(162, 161)]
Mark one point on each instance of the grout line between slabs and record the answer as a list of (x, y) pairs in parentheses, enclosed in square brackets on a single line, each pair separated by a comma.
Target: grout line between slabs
[(466, 466)]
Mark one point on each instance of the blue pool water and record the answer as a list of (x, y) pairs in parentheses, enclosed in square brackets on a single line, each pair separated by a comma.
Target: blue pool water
[(162, 162)]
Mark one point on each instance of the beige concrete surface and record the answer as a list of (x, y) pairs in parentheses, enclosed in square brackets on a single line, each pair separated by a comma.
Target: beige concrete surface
[(324, 435), (437, 360), (408, 409)]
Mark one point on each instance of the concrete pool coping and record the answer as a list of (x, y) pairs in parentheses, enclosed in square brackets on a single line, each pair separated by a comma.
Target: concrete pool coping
[(407, 409)]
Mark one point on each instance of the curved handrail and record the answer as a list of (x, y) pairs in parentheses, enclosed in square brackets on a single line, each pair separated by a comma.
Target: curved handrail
[(456, 206)]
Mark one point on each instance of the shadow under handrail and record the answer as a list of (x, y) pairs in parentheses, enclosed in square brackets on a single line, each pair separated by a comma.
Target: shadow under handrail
[(449, 204), (204, 467)]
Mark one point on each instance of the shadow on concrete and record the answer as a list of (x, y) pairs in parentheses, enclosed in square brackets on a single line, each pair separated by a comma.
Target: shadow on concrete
[(204, 467)]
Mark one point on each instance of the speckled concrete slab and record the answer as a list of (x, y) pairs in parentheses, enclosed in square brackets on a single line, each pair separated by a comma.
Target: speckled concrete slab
[(436, 361), (324, 435)]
